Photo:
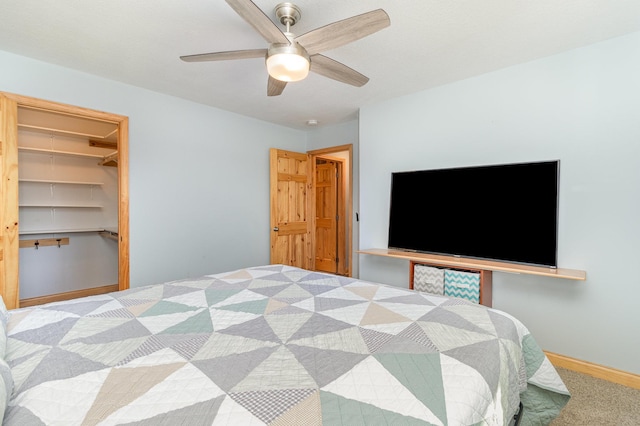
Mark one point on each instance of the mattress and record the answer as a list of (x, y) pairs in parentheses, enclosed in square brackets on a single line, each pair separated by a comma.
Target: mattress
[(274, 345)]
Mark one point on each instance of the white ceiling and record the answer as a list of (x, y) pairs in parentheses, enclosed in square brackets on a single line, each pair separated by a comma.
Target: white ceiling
[(429, 43)]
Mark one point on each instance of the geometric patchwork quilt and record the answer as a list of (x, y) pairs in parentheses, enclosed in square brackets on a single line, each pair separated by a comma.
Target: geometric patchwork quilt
[(275, 345)]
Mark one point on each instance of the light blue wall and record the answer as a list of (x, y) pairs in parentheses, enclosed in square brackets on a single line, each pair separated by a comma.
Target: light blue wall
[(582, 107), (334, 135), (198, 176)]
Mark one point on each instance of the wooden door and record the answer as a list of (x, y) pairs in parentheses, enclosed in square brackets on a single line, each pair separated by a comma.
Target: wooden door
[(9, 238), (326, 206), (291, 205)]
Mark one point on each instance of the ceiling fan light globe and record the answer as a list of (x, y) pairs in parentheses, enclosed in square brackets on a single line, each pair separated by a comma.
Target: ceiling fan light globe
[(288, 67), (287, 62)]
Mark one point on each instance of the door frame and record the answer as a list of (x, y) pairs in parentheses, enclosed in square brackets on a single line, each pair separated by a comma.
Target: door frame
[(10, 286), (346, 181)]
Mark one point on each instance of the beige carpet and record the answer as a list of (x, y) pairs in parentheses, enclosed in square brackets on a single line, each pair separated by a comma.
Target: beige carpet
[(596, 402)]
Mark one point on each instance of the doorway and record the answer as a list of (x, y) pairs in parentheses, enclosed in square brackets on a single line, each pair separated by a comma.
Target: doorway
[(332, 236), (298, 202)]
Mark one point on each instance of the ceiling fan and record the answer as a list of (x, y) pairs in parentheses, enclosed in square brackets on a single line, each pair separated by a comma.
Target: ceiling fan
[(289, 58)]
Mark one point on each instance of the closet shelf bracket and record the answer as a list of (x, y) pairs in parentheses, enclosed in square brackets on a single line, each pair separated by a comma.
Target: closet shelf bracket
[(110, 160), (109, 234)]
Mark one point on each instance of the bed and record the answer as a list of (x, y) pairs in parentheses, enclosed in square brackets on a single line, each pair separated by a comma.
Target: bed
[(274, 345)]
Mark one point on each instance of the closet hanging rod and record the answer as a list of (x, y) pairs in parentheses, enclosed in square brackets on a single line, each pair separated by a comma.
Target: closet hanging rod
[(61, 206), (63, 182), (62, 231)]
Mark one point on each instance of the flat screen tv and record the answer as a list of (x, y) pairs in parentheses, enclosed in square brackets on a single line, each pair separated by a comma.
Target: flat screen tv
[(503, 212)]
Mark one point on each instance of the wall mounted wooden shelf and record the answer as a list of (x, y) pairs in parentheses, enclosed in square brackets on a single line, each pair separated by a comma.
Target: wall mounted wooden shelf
[(45, 242), (59, 152), (488, 265)]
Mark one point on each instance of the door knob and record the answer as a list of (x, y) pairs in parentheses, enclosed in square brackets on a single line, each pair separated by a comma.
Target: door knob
[(276, 229)]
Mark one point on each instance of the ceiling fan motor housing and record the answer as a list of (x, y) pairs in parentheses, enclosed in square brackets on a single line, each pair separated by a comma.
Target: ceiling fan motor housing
[(288, 14)]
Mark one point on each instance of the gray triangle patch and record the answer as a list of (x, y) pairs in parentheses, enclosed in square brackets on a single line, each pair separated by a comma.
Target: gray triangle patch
[(319, 322), (75, 366), (325, 365), (228, 371)]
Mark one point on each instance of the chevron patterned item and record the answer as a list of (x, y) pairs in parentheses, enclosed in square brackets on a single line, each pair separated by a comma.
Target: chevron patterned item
[(428, 279), (465, 285)]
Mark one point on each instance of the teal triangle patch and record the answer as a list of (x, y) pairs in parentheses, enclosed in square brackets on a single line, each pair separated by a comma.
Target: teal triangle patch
[(199, 323), (534, 357), (338, 410), (215, 296), (252, 306), (415, 371), (164, 307)]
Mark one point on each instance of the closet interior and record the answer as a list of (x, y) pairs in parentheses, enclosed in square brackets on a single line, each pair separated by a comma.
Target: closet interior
[(71, 202)]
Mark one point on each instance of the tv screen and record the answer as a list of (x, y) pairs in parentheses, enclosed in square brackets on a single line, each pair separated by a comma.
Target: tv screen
[(505, 212)]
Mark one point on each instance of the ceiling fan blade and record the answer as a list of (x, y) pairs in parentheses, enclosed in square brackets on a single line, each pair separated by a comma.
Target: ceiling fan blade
[(335, 70), (258, 20), (225, 56), (275, 87), (342, 32)]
